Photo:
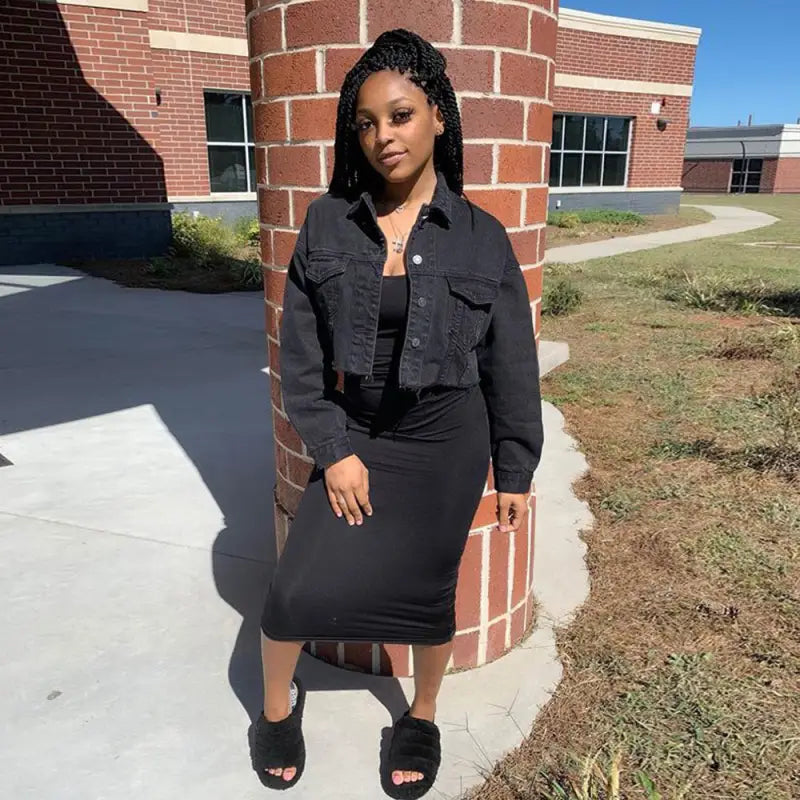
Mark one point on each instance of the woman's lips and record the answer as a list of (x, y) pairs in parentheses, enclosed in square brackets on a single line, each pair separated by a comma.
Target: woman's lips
[(390, 161)]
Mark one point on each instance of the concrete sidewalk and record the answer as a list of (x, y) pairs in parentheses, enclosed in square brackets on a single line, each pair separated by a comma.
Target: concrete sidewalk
[(728, 220), (136, 543)]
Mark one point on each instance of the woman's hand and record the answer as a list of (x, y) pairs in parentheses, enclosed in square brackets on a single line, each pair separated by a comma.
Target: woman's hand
[(347, 482), (511, 510)]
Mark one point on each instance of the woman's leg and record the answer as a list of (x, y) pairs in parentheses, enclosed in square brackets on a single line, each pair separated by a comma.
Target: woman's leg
[(430, 662), (278, 660)]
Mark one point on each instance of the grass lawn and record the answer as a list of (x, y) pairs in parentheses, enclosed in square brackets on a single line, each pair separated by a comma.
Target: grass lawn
[(597, 231), (682, 671)]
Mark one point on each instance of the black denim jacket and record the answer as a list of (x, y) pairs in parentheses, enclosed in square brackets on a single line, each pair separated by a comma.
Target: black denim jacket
[(469, 321)]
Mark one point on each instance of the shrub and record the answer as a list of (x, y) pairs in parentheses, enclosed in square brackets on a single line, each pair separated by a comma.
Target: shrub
[(207, 241), (561, 298), (586, 216), (564, 219), (247, 230)]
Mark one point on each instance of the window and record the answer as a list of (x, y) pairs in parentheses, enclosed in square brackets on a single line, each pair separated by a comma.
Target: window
[(589, 151), (229, 133), (746, 177)]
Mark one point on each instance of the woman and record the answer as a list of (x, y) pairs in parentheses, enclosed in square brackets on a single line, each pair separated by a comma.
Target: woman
[(413, 294)]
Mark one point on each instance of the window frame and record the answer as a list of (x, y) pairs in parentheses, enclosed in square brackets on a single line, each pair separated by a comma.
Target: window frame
[(583, 152), (247, 143), (745, 172)]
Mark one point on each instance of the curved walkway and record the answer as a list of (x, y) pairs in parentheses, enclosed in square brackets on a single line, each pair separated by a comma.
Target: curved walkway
[(728, 220)]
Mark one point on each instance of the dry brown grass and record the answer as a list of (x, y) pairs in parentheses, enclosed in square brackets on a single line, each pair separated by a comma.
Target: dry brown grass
[(682, 672), (598, 231)]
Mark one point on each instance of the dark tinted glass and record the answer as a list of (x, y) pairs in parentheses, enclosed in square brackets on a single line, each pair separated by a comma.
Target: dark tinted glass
[(573, 133), (558, 131), (227, 170), (617, 137), (614, 173), (591, 169), (224, 122), (595, 128), (571, 170), (555, 169)]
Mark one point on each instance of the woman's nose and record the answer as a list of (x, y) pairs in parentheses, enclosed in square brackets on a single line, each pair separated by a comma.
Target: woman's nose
[(383, 133)]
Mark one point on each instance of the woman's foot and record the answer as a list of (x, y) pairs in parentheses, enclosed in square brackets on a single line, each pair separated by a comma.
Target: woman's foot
[(420, 711), (281, 740), (276, 715)]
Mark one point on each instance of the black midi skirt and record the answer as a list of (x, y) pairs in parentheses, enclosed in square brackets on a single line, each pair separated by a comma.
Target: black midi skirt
[(393, 578)]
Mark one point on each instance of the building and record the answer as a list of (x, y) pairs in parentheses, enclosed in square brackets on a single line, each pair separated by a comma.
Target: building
[(743, 158), (117, 112)]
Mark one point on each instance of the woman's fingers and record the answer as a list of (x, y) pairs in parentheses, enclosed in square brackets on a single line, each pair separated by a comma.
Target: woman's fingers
[(353, 507), (334, 503), (362, 497), (503, 506)]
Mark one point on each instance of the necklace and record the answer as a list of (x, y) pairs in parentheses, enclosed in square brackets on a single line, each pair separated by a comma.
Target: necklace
[(399, 240)]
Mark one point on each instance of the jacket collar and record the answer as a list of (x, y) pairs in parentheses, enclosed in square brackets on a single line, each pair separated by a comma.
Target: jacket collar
[(441, 202)]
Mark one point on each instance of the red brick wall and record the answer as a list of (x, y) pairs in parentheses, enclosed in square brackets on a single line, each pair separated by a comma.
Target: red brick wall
[(75, 106), (768, 175), (220, 18), (656, 157), (787, 176), (624, 57), (182, 77), (708, 175)]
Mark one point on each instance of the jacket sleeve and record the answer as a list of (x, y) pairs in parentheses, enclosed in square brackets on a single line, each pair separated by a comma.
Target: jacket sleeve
[(308, 381), (508, 366)]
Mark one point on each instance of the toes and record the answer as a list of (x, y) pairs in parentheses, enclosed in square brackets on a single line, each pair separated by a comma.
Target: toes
[(289, 773), (407, 776), (397, 778)]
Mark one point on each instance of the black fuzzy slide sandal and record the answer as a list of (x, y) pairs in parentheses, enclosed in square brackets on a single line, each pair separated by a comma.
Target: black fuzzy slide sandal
[(280, 744), (415, 747)]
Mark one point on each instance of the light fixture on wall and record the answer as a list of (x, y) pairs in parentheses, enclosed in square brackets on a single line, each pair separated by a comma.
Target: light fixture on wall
[(661, 123), (158, 96)]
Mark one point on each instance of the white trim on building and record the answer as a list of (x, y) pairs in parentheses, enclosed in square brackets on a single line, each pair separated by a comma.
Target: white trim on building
[(570, 18), (738, 141)]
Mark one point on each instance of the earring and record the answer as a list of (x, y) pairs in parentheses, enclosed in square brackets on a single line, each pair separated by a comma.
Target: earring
[(439, 131)]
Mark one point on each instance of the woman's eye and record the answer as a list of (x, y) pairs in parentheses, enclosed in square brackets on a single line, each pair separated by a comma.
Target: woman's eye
[(402, 116), (362, 125)]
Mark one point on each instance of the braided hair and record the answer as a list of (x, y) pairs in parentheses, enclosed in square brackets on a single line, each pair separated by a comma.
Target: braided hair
[(424, 65)]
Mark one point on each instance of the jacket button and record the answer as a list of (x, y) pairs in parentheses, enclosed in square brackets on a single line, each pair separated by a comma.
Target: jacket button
[(415, 342), (421, 302), (417, 259)]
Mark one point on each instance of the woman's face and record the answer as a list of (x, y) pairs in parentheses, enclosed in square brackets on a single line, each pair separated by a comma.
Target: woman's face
[(395, 125)]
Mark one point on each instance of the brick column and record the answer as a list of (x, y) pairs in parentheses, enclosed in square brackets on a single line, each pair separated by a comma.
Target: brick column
[(501, 59)]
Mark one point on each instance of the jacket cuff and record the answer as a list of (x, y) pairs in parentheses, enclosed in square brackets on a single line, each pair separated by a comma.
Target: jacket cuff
[(332, 451), (512, 482)]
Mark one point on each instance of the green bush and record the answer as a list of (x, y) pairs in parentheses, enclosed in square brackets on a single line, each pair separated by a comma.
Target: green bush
[(561, 298), (207, 241), (564, 219), (586, 216), (247, 230)]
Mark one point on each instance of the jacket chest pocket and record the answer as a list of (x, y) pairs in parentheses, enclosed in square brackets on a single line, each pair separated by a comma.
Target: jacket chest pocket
[(470, 300), (325, 278)]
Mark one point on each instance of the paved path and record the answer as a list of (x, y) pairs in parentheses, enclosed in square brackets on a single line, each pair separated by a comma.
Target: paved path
[(136, 543), (728, 219)]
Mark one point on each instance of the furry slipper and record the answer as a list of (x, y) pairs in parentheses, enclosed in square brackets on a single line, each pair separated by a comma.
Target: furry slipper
[(280, 744), (415, 747)]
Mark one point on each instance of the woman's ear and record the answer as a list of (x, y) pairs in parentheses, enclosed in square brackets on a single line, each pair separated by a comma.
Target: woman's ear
[(439, 126)]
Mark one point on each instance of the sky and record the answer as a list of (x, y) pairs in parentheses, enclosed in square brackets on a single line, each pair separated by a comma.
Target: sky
[(748, 61)]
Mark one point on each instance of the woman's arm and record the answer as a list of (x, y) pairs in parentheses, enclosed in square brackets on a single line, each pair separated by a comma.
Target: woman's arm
[(307, 380), (509, 370)]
